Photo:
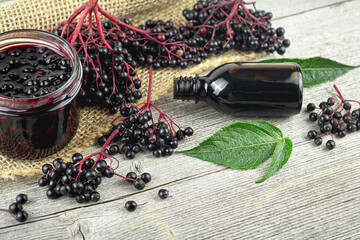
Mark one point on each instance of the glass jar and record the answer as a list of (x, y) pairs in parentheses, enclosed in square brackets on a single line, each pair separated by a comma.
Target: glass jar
[(34, 128)]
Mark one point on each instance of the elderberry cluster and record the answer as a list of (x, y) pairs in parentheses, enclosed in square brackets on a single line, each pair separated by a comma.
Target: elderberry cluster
[(111, 51), (139, 182), (135, 132), (333, 120), (211, 30), (16, 208), (65, 179)]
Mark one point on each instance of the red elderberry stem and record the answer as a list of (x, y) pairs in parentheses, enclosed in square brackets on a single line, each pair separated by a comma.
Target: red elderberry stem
[(76, 32), (109, 140), (101, 33), (130, 179), (338, 91), (142, 204)]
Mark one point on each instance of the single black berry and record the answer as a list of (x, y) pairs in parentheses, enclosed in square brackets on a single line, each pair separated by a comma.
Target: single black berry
[(94, 196), (318, 141), (21, 198), (312, 134), (146, 177), (139, 184), (313, 117), (347, 106), (15, 208), (130, 206), (311, 107), (163, 193), (21, 216), (330, 144), (131, 175)]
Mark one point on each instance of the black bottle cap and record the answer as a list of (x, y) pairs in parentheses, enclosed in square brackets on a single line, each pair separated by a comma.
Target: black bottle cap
[(187, 88)]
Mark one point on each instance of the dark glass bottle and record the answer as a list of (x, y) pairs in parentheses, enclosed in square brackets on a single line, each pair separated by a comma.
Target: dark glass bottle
[(263, 89)]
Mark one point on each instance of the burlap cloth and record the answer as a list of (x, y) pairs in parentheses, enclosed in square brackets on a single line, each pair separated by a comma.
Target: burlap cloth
[(47, 14)]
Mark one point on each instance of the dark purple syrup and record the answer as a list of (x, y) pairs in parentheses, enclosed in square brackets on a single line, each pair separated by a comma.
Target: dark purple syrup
[(32, 71), (26, 73)]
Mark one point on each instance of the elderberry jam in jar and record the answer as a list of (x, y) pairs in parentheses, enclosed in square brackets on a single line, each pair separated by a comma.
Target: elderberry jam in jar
[(251, 89), (40, 77)]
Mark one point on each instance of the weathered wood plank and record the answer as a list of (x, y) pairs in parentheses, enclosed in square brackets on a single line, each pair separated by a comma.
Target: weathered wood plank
[(314, 196)]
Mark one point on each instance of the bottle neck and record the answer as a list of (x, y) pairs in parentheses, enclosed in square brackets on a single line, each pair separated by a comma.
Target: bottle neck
[(190, 88)]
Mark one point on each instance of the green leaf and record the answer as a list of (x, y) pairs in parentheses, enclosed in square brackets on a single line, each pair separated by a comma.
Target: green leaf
[(280, 157), (317, 70), (245, 145), (265, 125)]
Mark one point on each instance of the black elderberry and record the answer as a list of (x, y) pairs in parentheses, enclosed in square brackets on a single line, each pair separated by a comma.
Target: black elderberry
[(136, 148), (342, 133), (163, 193), (312, 134), (65, 189), (327, 127), (188, 131), (351, 127), (78, 187), (330, 101), (46, 168), (168, 151), (139, 184), (330, 144), (54, 175), (109, 173), (130, 206), (51, 194), (324, 118), (160, 141), (15, 208), (131, 175), (101, 165), (318, 141), (130, 154), (94, 196), (65, 179), (157, 152), (102, 141), (88, 163), (21, 216), (323, 105), (146, 177), (328, 110), (114, 149), (43, 181), (311, 107), (81, 198), (347, 106), (91, 174), (77, 157), (337, 115), (52, 183), (355, 113), (347, 118)]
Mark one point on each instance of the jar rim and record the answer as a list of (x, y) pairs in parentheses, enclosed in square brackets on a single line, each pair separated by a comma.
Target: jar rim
[(70, 53)]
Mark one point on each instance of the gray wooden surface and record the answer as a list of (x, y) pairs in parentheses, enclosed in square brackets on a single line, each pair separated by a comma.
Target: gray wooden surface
[(315, 196)]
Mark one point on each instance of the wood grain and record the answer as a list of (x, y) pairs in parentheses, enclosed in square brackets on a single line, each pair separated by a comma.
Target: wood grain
[(315, 196)]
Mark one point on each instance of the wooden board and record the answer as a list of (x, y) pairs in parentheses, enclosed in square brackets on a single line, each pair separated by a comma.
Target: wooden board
[(315, 196)]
